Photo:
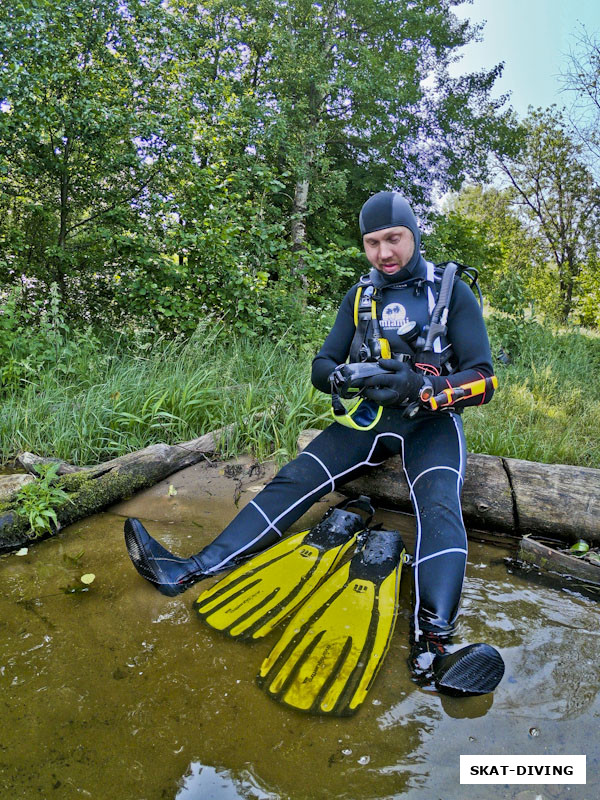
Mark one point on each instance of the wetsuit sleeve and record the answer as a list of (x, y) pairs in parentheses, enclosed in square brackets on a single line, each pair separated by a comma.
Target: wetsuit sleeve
[(336, 346), (468, 336)]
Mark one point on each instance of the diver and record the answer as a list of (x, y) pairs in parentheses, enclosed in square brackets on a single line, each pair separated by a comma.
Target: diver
[(410, 340)]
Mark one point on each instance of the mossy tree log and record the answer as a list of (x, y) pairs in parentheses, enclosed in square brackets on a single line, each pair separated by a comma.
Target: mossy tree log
[(547, 559), (92, 489), (504, 494)]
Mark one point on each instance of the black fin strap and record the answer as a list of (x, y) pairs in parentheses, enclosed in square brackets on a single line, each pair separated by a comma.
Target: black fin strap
[(362, 502)]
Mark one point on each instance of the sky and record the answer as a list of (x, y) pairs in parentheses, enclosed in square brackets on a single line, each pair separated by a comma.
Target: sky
[(533, 38)]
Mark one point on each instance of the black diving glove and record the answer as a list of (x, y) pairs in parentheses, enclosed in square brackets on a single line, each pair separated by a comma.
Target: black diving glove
[(347, 380), (393, 388)]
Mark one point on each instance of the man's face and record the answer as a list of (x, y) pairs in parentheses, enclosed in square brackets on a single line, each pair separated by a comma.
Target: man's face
[(390, 249)]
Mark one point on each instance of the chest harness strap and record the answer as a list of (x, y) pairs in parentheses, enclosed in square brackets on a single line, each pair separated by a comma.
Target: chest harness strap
[(429, 354)]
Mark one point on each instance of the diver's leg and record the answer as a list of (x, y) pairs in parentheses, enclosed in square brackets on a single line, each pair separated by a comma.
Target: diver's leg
[(332, 458), (435, 460)]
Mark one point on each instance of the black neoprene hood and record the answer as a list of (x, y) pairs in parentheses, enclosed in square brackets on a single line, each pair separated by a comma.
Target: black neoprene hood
[(386, 210)]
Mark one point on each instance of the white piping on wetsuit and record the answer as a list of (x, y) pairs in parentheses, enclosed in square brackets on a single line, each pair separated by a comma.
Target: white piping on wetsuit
[(458, 483), (417, 559), (327, 472), (441, 553), (433, 469), (331, 480), (271, 525)]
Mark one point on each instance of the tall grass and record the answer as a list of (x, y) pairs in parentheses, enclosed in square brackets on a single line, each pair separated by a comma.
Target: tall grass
[(547, 407), (126, 399), (102, 402)]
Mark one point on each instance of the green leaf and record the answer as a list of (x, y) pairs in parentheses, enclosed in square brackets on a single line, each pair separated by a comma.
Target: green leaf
[(579, 548)]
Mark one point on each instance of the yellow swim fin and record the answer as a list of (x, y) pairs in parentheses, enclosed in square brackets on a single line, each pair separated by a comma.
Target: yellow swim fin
[(250, 601), (331, 650)]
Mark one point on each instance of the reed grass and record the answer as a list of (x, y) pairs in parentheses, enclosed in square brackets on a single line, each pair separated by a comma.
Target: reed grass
[(547, 406)]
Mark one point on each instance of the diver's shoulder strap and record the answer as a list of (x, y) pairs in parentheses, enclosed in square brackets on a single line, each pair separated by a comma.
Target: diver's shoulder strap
[(363, 301), (363, 312)]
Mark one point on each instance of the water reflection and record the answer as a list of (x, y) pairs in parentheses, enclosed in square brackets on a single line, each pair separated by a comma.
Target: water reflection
[(211, 783)]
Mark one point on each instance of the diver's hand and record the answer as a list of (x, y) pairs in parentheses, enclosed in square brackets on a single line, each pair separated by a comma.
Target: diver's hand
[(347, 380), (396, 386)]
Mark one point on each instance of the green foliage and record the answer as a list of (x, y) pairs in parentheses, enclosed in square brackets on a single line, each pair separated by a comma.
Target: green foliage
[(151, 152), (479, 227), (149, 390), (83, 108), (550, 181), (146, 390), (35, 336), (37, 501), (586, 295), (458, 237)]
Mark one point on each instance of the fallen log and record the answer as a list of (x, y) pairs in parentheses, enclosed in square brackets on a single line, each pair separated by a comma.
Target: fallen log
[(10, 485), (504, 494), (556, 499), (93, 489), (31, 462), (552, 561)]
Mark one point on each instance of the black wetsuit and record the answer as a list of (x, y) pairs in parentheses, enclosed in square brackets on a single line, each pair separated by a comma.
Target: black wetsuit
[(431, 443)]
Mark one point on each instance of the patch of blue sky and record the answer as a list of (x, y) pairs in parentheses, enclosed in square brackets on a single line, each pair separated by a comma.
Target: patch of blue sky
[(533, 38)]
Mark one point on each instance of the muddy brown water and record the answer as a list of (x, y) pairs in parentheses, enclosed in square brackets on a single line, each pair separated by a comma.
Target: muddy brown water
[(121, 693)]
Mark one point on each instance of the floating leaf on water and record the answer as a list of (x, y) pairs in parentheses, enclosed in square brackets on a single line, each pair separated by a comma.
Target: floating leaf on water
[(172, 490), (579, 548), (88, 578), (22, 552)]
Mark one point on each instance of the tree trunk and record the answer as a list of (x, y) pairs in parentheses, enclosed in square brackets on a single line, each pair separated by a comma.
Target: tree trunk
[(93, 489), (299, 225), (554, 562), (566, 294), (64, 197), (300, 205)]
